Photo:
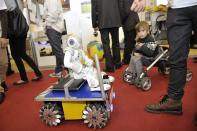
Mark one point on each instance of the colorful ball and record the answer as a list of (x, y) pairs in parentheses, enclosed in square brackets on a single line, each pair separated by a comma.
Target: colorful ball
[(93, 48)]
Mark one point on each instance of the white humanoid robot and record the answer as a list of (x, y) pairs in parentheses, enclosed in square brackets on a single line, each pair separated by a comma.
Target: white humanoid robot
[(81, 67)]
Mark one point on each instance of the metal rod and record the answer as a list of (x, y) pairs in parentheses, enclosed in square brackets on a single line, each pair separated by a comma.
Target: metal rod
[(67, 95), (148, 68), (100, 77)]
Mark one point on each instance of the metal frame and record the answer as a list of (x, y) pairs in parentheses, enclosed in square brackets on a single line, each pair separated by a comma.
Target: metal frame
[(41, 96)]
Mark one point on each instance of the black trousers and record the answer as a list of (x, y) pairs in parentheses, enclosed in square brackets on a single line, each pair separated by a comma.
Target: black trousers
[(180, 23), (111, 59), (129, 40), (55, 40), (18, 51)]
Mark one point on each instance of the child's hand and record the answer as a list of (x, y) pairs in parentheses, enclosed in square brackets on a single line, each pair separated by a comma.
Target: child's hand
[(138, 45), (137, 38), (137, 54)]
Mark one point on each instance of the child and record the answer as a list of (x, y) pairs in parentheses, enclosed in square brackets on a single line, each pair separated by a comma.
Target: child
[(144, 52)]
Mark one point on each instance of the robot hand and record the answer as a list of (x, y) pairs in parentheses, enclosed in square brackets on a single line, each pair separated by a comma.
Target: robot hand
[(89, 62)]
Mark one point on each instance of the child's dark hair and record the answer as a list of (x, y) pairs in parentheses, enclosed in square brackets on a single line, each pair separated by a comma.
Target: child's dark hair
[(142, 24)]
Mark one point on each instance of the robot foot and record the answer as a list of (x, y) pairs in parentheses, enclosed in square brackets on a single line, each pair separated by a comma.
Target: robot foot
[(107, 79), (98, 88)]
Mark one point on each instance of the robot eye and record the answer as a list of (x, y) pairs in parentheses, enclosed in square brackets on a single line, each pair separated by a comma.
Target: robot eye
[(72, 42)]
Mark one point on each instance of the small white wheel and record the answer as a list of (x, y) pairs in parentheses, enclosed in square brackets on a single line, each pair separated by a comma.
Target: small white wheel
[(146, 83)]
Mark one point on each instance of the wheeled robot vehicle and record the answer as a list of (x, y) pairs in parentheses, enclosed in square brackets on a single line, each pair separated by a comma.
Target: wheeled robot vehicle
[(71, 99)]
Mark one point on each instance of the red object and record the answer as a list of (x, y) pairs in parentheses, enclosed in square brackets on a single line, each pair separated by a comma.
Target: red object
[(20, 112)]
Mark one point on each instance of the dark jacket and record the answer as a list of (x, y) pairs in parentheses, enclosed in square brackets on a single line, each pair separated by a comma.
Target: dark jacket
[(4, 23), (149, 47), (129, 18), (105, 14)]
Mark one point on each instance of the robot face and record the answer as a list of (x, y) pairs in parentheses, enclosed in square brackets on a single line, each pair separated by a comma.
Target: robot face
[(73, 42)]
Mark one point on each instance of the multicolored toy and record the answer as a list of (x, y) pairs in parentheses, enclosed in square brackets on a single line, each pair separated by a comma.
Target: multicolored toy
[(95, 47)]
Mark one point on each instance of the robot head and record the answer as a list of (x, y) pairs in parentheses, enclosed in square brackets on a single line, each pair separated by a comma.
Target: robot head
[(74, 42)]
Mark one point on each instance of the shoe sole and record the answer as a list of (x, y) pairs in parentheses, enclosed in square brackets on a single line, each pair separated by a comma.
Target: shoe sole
[(54, 76), (22, 83), (167, 112)]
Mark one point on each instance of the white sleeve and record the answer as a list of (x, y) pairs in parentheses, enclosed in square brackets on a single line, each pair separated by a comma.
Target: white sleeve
[(53, 10)]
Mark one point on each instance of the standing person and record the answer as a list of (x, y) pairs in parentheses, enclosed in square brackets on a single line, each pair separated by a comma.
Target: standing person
[(181, 20), (107, 19), (53, 16), (3, 55), (18, 45), (129, 21)]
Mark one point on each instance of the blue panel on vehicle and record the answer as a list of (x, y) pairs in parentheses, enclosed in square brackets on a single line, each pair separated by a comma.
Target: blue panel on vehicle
[(83, 92)]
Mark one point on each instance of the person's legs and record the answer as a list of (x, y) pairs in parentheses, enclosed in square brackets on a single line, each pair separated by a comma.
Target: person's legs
[(9, 70), (107, 51), (179, 26), (179, 33), (3, 68), (15, 48), (131, 67), (138, 65), (2, 95), (129, 40), (55, 42), (28, 59), (194, 23), (115, 47)]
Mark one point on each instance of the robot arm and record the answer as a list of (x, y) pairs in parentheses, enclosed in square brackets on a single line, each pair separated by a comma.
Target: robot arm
[(75, 66), (87, 60)]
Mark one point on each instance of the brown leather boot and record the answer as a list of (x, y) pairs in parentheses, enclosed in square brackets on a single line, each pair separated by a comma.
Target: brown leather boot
[(166, 105)]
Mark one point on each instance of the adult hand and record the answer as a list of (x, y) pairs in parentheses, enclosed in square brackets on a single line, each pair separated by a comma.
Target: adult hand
[(3, 42), (138, 5)]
